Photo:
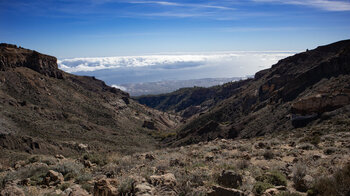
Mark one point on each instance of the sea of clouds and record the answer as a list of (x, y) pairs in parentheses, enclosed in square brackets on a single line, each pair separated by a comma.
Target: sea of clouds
[(150, 68)]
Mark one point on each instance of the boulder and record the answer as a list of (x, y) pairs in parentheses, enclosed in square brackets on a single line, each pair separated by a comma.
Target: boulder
[(106, 187), (143, 189), (222, 191), (53, 178), (12, 190), (76, 190), (168, 180), (230, 179), (271, 192), (149, 157), (59, 156)]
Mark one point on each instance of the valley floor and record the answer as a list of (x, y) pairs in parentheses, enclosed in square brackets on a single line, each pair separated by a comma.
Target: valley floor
[(306, 161)]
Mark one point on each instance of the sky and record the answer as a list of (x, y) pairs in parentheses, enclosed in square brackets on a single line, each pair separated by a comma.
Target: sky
[(98, 28), (140, 30)]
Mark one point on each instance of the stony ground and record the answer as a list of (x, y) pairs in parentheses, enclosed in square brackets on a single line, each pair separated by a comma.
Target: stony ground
[(302, 162)]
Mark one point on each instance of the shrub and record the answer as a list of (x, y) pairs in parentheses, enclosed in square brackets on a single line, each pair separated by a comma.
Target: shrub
[(88, 187), (306, 146), (34, 159), (126, 186), (243, 164), (260, 187), (35, 173), (64, 186), (81, 179), (268, 154), (314, 138), (49, 160), (111, 170), (299, 173), (96, 158), (329, 151), (69, 169), (338, 184), (274, 177)]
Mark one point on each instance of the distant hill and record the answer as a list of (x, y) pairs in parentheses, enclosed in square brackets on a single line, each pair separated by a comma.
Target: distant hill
[(301, 90), (45, 110), (161, 87)]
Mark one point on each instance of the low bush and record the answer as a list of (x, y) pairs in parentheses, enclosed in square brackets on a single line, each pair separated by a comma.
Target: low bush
[(69, 169), (260, 187), (274, 177), (299, 173), (35, 173), (81, 179), (126, 186), (64, 186), (96, 158), (337, 185), (268, 154)]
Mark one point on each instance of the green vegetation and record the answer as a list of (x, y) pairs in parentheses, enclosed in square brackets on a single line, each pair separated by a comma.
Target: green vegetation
[(97, 158), (336, 185), (126, 186), (274, 177), (260, 187)]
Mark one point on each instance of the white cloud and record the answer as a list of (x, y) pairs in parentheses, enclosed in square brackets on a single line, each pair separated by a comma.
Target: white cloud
[(191, 5), (152, 68), (328, 5), (119, 87), (173, 61)]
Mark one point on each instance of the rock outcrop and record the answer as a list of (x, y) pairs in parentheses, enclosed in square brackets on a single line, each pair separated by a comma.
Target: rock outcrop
[(106, 187), (12, 56)]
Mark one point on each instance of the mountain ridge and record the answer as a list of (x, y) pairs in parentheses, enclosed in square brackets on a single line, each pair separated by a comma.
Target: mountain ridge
[(273, 101), (45, 110)]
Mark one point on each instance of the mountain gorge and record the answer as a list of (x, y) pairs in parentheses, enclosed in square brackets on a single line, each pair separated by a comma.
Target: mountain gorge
[(284, 132)]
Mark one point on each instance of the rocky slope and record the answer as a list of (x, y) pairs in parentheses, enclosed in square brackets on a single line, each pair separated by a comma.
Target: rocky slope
[(69, 135), (313, 162), (44, 110), (297, 91)]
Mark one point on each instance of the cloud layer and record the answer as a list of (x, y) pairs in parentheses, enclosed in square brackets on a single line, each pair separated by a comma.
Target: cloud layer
[(153, 68), (162, 61), (150, 68)]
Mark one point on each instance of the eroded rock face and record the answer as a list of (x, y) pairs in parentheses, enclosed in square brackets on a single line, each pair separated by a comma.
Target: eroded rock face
[(53, 178), (11, 57), (106, 187), (164, 184), (166, 180), (320, 103)]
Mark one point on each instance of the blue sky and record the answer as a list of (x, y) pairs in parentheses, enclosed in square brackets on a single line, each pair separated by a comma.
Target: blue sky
[(98, 28)]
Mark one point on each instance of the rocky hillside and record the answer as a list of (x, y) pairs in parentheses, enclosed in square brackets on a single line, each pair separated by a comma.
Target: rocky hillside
[(292, 163), (286, 132), (299, 90), (44, 110), (188, 102)]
